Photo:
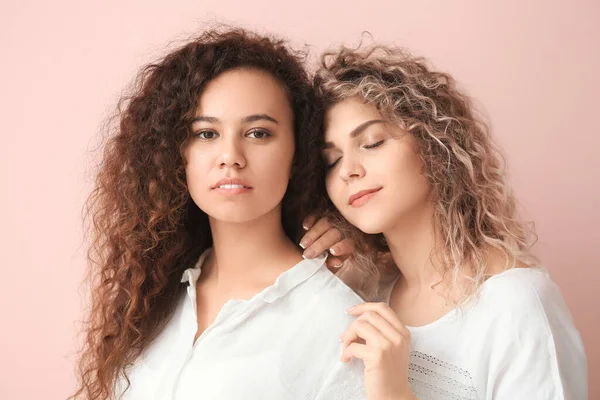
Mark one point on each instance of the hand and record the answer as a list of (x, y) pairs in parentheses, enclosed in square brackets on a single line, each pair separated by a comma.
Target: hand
[(321, 237), (383, 343)]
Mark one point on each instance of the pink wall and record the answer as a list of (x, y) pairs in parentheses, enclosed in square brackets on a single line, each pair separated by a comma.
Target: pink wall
[(533, 64)]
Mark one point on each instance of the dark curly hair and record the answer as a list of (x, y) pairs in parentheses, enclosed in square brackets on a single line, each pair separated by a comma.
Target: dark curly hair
[(145, 229)]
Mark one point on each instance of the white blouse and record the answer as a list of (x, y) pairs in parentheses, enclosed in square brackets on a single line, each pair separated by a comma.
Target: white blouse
[(281, 344), (516, 341)]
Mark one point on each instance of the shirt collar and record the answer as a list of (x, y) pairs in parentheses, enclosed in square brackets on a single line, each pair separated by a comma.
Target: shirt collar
[(191, 275), (284, 283)]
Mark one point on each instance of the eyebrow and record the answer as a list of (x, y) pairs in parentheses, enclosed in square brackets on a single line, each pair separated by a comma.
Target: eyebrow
[(356, 131), (259, 117), (246, 120)]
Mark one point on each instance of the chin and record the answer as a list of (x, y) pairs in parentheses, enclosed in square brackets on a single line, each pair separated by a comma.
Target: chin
[(236, 215), (370, 229), (241, 213), (368, 225)]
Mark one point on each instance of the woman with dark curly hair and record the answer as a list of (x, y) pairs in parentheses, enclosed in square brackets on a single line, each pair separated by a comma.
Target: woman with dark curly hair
[(464, 313), (200, 291)]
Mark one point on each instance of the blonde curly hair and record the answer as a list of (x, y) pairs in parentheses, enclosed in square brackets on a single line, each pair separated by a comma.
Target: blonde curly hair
[(475, 209)]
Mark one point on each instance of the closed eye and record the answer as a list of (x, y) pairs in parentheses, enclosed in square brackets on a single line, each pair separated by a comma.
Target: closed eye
[(330, 166), (372, 146)]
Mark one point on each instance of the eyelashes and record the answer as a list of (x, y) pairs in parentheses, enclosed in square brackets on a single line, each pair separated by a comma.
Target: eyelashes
[(330, 166), (372, 146), (366, 146), (202, 134), (259, 134)]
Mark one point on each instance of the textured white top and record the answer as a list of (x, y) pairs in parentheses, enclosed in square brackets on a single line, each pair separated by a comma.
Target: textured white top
[(281, 344), (516, 341)]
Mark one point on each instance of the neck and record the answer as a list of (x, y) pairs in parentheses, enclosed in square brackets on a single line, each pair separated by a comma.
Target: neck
[(257, 249), (412, 242)]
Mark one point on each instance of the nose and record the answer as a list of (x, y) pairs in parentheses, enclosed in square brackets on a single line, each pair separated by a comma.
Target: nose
[(351, 168), (231, 154)]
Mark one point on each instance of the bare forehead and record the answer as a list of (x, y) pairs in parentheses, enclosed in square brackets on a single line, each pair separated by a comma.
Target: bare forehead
[(345, 116), (244, 91)]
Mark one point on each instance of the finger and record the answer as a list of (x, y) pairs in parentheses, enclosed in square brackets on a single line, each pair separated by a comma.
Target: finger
[(334, 264), (361, 329), (382, 309), (315, 232), (343, 248), (309, 222), (323, 243), (355, 350), (383, 326), (350, 335)]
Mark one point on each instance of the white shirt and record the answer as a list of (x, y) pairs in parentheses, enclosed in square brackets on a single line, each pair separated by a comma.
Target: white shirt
[(281, 344), (515, 341)]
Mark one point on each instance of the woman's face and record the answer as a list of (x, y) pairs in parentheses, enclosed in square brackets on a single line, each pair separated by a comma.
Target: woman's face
[(374, 176), (240, 155)]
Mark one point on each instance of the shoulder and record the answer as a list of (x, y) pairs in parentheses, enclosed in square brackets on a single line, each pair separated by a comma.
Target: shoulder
[(333, 291), (525, 305), (523, 291), (321, 303), (532, 334), (527, 310)]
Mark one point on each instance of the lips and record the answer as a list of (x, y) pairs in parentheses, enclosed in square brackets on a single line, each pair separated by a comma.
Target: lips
[(362, 197), (231, 183), (231, 187)]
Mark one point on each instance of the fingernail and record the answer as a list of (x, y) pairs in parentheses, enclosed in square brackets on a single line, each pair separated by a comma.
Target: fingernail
[(336, 266), (302, 245), (349, 309), (305, 227), (309, 253), (332, 251)]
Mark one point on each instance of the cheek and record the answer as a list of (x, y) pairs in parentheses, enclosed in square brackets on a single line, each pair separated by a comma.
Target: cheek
[(197, 171), (335, 189), (411, 186), (273, 166), (274, 178), (284, 159)]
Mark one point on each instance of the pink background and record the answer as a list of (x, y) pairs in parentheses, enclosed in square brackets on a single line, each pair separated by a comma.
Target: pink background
[(532, 64)]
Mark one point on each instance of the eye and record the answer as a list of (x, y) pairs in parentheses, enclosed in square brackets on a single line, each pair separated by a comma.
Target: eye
[(372, 146), (206, 135), (330, 166), (258, 134)]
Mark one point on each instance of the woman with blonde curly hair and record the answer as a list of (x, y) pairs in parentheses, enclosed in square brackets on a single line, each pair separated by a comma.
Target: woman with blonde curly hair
[(200, 290), (465, 313)]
